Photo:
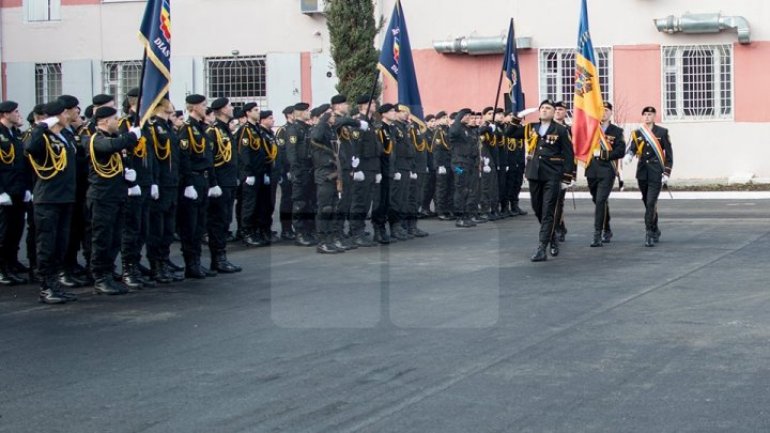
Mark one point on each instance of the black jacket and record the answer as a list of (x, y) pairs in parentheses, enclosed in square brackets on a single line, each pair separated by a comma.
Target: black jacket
[(14, 170), (225, 154), (54, 184), (552, 156), (104, 148), (602, 166), (252, 154), (163, 144), (198, 149), (650, 167)]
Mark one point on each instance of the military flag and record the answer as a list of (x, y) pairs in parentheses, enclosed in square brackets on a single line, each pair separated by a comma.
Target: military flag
[(155, 35)]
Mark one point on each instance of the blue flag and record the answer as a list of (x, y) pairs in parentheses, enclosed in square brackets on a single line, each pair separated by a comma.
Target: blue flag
[(511, 72), (396, 62), (155, 35)]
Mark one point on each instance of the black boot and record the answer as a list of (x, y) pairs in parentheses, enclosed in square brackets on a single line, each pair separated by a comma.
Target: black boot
[(606, 236), (256, 240), (193, 269), (48, 294), (5, 278), (649, 239), (597, 242), (656, 235), (540, 255), (67, 280), (159, 273), (130, 277), (362, 240), (381, 235), (416, 231), (304, 240), (220, 263), (105, 285), (554, 246), (288, 235), (326, 246), (397, 232), (173, 266), (516, 210)]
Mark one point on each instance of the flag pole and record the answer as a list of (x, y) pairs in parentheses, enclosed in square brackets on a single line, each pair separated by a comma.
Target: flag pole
[(500, 81), (141, 85), (374, 90)]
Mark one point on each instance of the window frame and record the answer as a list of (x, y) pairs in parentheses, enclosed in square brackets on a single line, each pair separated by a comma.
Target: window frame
[(53, 11), (542, 84), (120, 83), (235, 99), (44, 72)]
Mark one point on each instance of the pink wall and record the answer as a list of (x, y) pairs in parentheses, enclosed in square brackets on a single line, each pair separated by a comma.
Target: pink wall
[(305, 74), (637, 75), (751, 90), (18, 3)]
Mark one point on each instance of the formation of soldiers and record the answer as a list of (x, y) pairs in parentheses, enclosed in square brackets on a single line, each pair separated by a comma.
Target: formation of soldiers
[(100, 185)]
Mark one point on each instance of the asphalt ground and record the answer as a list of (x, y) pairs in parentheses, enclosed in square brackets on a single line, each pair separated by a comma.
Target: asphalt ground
[(457, 332)]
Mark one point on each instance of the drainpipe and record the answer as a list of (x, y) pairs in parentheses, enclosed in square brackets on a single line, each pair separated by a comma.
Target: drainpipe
[(479, 46), (705, 23)]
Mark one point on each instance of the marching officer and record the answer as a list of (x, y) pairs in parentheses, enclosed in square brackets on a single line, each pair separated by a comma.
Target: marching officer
[(601, 173), (15, 192), (302, 183), (226, 169), (652, 146), (549, 171), (560, 117)]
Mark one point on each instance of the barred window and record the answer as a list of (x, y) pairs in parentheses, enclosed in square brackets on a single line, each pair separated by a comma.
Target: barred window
[(42, 10), (120, 77), (240, 79), (698, 82), (557, 74), (47, 82)]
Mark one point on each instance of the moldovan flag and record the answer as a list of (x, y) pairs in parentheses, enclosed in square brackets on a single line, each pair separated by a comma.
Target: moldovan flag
[(586, 130)]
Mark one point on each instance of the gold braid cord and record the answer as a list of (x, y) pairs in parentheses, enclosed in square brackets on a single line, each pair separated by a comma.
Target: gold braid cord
[(112, 168), (162, 151), (8, 157), (224, 150), (420, 147), (271, 149), (531, 139), (387, 149), (53, 163), (194, 145)]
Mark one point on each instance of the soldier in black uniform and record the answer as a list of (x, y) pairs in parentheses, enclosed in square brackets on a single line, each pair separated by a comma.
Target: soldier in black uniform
[(268, 191), (489, 136), (282, 163), (652, 146), (198, 182), (347, 137), (226, 165), (560, 117), (107, 195), (514, 176), (303, 186), (366, 157), (255, 176), (601, 172), (162, 142), (52, 155), (15, 192), (382, 214), (36, 116), (465, 151), (549, 171), (442, 158), (401, 166), (327, 172), (416, 138)]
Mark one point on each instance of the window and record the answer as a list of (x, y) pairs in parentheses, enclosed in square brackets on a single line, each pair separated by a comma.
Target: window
[(42, 10), (47, 82), (120, 77), (557, 74), (240, 79), (698, 82)]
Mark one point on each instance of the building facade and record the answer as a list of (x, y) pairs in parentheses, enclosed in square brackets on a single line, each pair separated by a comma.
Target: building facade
[(709, 88)]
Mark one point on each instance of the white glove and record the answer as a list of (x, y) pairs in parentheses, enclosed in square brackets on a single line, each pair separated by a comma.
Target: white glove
[(507, 168), (266, 179), (288, 176), (359, 176), (487, 169), (130, 174), (5, 199), (154, 192), (567, 185), (378, 178), (441, 169), (664, 180), (251, 180), (397, 176), (191, 193), (364, 125), (412, 176), (28, 196), (493, 127), (627, 159), (137, 131), (135, 191), (215, 191), (51, 121), (355, 162), (486, 161)]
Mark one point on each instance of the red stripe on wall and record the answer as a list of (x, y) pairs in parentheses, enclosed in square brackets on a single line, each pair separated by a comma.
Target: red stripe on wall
[(10, 3), (306, 77), (751, 91)]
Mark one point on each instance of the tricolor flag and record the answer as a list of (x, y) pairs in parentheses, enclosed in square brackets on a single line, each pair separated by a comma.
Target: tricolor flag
[(155, 35), (586, 130), (511, 72), (397, 63)]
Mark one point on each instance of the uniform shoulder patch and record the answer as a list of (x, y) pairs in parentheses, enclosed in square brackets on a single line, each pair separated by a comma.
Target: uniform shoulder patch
[(184, 144), (293, 139)]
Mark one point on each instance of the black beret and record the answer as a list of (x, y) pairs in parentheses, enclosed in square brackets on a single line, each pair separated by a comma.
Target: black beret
[(89, 111), (249, 106), (324, 108), (31, 117), (463, 112), (608, 105), (54, 108), (68, 101), (8, 106), (301, 106), (363, 99), (429, 117), (499, 110), (264, 114), (39, 109), (219, 103), (385, 108), (195, 99), (548, 102), (648, 109), (134, 93), (453, 115), (238, 113), (209, 110), (102, 99), (178, 113), (560, 104), (440, 115), (339, 99), (487, 110), (104, 112)]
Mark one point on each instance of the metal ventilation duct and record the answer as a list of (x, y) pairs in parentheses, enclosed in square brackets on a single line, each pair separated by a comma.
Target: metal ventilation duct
[(705, 23)]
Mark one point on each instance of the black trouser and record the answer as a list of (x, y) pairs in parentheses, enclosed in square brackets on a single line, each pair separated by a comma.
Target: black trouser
[(502, 190), (445, 192), (266, 206), (463, 197), (107, 219), (79, 229), (428, 190), (413, 196), (52, 223), (513, 183), (219, 217), (363, 196), (489, 191), (238, 207), (600, 188), (135, 226), (326, 193), (11, 229), (544, 196), (650, 192), (31, 235), (303, 198), (345, 202), (399, 194), (192, 218), (381, 211), (285, 206), (163, 216), (559, 213)]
